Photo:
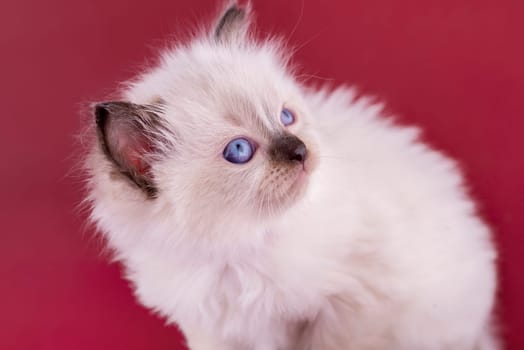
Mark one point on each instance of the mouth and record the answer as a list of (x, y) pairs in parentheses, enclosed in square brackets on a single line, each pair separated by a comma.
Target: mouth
[(299, 184), (277, 198), (285, 185), (296, 188)]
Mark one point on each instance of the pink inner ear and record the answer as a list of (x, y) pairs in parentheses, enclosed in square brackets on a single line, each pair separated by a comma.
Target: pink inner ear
[(138, 163), (130, 147)]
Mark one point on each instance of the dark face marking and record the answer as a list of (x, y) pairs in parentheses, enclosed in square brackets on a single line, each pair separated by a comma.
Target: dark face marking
[(289, 149)]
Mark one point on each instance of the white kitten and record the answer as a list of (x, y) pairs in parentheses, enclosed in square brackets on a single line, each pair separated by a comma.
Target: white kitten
[(258, 214)]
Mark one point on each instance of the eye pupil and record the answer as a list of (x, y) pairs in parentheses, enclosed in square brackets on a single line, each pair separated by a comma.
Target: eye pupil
[(239, 151), (287, 117)]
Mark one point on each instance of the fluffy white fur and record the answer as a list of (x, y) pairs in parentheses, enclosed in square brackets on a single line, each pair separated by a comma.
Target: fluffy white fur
[(380, 249)]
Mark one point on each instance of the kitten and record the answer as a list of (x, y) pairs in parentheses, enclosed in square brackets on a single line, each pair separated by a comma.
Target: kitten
[(259, 214)]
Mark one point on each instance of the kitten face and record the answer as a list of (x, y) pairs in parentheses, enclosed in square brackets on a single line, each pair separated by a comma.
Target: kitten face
[(235, 140), (241, 104)]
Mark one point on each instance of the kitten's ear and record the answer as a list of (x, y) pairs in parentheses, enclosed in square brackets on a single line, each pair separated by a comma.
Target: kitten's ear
[(233, 24), (130, 136)]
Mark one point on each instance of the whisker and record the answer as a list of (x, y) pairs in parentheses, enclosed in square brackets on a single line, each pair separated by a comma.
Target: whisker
[(299, 47), (299, 19), (305, 77)]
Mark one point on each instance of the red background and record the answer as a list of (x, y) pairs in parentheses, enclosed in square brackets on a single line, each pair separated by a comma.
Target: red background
[(455, 67)]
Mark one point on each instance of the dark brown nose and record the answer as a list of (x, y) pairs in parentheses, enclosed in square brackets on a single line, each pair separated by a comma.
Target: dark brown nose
[(288, 148)]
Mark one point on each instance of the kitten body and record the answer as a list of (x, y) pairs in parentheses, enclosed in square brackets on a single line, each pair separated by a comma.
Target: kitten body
[(371, 243)]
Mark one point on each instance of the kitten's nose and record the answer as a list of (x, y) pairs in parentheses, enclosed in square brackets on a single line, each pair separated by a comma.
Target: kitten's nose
[(299, 153), (288, 148)]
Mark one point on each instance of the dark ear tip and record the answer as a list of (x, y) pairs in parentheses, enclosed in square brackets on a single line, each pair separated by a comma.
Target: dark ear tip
[(101, 111), (238, 9), (233, 12), (235, 7)]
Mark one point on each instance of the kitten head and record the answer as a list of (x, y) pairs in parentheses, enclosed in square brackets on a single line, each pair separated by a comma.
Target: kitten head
[(219, 131)]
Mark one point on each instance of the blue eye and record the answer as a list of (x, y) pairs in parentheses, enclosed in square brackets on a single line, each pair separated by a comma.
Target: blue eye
[(239, 151), (286, 117)]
